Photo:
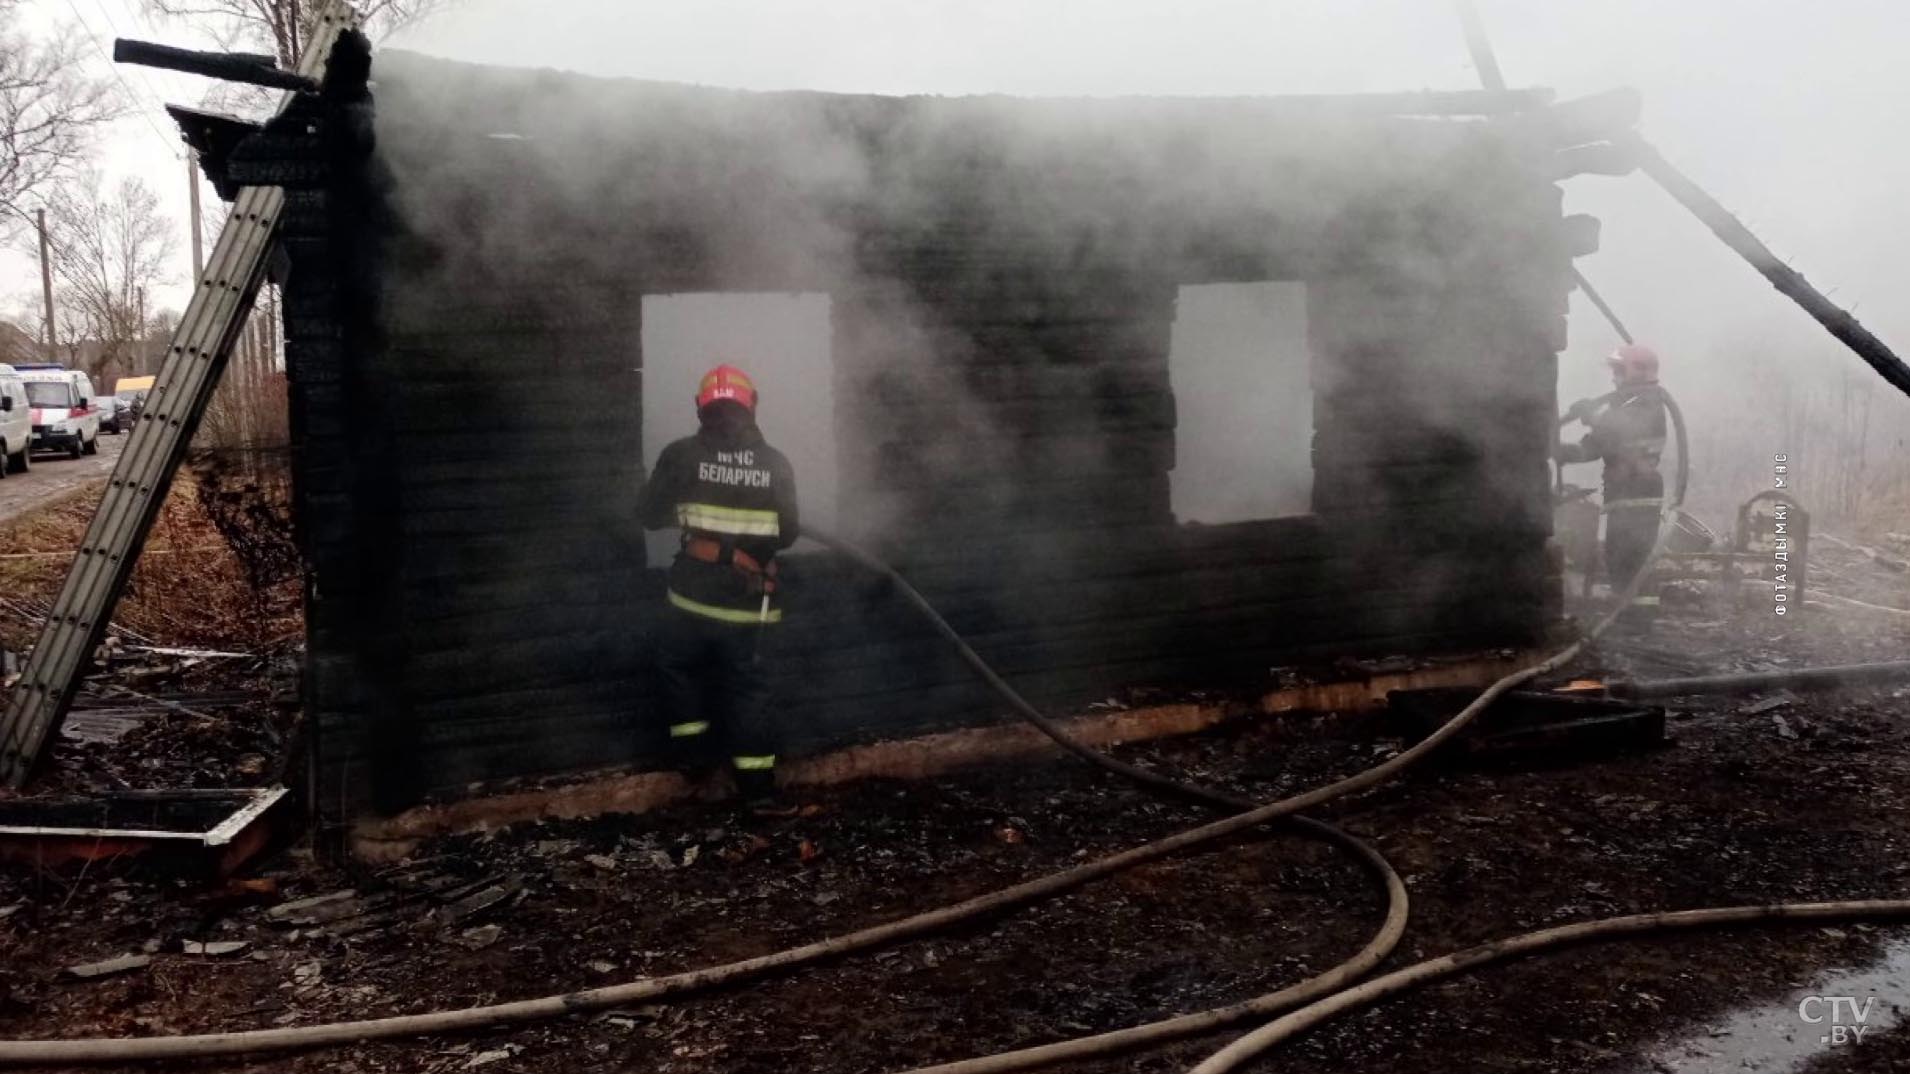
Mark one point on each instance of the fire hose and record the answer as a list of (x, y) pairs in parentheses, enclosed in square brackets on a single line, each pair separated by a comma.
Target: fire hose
[(94, 1050), (100, 1050), (1330, 985), (1249, 1046), (127, 1050), (1681, 477), (1253, 1044), (1258, 1041), (1887, 365)]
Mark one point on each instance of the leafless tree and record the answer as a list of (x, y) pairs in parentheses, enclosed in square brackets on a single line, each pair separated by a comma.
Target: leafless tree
[(49, 110), (16, 346), (110, 250), (282, 26)]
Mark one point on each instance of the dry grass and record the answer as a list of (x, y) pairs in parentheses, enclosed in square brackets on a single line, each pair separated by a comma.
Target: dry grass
[(188, 588)]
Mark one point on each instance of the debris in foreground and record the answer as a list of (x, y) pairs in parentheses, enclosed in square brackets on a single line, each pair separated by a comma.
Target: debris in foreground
[(109, 967)]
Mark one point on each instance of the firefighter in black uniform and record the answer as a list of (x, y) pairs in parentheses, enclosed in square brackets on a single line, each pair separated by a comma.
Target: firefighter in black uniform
[(734, 497), (1628, 433)]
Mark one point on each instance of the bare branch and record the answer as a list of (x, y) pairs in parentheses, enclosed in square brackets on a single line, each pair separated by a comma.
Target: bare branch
[(109, 253), (49, 111)]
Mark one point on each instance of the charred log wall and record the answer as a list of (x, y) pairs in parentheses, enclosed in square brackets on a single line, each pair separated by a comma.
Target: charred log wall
[(1003, 292)]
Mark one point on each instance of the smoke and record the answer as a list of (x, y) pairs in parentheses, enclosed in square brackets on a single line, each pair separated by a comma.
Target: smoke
[(1241, 370), (570, 195), (1784, 117), (1734, 93)]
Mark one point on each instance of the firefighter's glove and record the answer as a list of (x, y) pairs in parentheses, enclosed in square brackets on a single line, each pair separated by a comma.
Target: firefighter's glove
[(1581, 410)]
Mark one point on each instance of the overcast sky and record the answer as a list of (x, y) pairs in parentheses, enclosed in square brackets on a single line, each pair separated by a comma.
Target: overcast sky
[(1792, 114)]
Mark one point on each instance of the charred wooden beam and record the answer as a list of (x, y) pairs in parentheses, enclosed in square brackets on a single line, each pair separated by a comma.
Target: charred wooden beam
[(247, 67), (213, 136), (1840, 322), (1598, 158), (1581, 234), (1598, 118)]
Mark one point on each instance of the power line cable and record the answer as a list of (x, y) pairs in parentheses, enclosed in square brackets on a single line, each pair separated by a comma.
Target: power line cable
[(142, 74), (171, 142)]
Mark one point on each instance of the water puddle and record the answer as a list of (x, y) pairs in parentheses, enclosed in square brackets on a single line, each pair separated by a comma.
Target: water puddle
[(1840, 1009)]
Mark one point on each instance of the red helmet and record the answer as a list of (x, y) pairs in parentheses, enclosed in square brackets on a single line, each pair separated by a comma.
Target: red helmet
[(726, 382), (1635, 364)]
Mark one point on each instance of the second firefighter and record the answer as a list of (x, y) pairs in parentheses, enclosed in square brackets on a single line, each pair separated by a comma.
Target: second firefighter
[(1628, 434)]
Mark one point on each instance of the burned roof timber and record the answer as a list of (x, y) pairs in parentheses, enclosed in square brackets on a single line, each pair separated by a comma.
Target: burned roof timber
[(803, 189)]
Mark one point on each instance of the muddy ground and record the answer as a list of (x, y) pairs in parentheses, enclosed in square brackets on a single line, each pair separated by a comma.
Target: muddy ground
[(1757, 798)]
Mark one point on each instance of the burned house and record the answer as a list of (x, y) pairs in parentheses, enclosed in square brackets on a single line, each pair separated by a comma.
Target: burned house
[(1001, 382)]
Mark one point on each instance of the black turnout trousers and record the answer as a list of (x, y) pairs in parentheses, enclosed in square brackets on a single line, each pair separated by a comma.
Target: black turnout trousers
[(716, 697)]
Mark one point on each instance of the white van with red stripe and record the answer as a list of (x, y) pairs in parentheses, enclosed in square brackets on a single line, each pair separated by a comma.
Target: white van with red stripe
[(16, 425), (64, 417)]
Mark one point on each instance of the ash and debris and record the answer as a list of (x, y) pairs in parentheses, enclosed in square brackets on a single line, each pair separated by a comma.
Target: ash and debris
[(196, 683), (159, 717), (1784, 795)]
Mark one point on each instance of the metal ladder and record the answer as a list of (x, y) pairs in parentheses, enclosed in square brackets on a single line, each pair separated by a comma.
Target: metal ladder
[(137, 490)]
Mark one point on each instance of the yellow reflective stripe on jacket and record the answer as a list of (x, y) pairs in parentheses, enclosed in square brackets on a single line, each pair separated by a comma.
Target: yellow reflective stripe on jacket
[(733, 521), (726, 615), (754, 764), (1627, 505), (690, 729)]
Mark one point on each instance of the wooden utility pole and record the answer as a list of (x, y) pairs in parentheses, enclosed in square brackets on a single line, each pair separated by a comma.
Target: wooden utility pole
[(138, 363), (46, 288), (198, 229)]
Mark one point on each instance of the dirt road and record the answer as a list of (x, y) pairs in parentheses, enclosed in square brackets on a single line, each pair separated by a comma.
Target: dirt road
[(54, 476)]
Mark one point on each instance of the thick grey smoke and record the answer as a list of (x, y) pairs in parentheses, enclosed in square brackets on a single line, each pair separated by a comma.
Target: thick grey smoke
[(527, 180), (1785, 118), (1241, 370)]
